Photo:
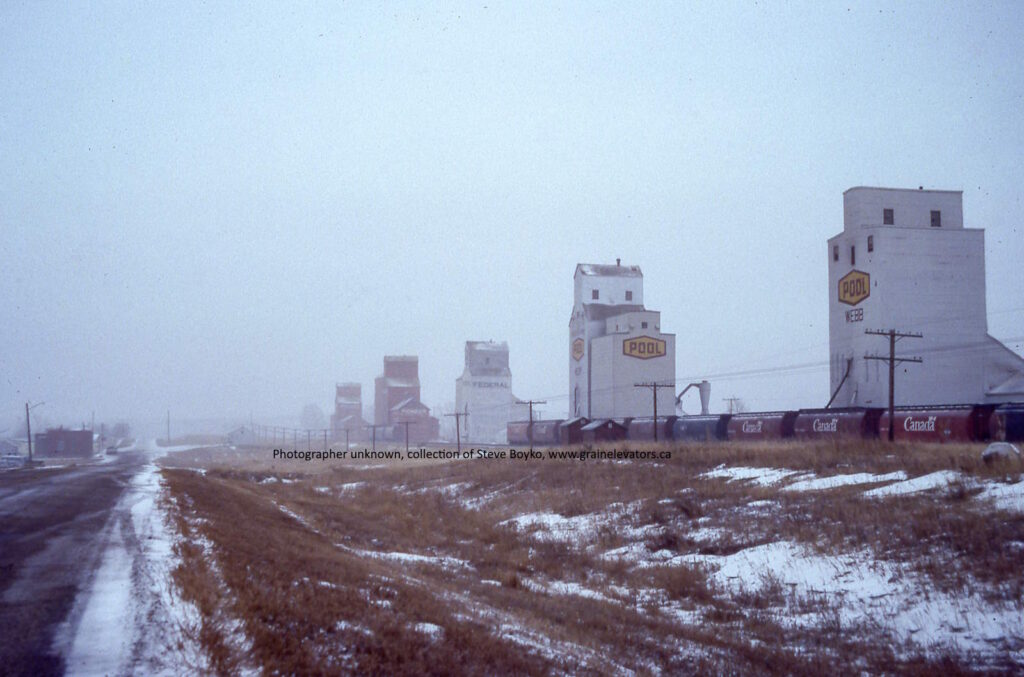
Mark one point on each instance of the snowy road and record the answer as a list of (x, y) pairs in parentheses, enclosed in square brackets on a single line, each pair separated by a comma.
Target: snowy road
[(84, 572), (50, 522)]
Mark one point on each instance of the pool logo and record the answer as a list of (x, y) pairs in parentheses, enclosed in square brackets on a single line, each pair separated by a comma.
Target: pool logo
[(577, 349), (643, 347), (854, 287)]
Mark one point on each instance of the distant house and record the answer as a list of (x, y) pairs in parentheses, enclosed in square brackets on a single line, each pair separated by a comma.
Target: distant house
[(62, 443), (242, 436)]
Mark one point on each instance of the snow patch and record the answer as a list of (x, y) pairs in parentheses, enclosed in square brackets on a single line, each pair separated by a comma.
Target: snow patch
[(435, 632), (820, 483), (934, 480), (1005, 496), (761, 476), (875, 593)]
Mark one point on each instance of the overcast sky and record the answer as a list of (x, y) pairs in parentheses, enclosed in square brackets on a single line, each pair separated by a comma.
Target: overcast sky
[(223, 210)]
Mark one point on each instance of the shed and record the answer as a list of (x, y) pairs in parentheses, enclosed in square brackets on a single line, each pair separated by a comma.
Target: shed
[(571, 431), (603, 430)]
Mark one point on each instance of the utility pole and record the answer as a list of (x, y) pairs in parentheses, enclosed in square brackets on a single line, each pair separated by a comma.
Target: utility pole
[(458, 434), (654, 391), (28, 427), (893, 361), (346, 438), (529, 429), (309, 439), (374, 427), (168, 427), (325, 439), (733, 403), (406, 424)]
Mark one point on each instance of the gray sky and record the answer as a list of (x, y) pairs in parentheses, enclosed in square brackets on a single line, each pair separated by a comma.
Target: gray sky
[(224, 210)]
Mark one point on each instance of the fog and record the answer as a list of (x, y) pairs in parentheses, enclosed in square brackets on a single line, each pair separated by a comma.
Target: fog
[(222, 211)]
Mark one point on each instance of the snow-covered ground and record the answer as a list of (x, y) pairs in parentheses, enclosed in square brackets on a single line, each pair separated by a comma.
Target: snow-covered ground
[(806, 589), (129, 619), (883, 596), (876, 593)]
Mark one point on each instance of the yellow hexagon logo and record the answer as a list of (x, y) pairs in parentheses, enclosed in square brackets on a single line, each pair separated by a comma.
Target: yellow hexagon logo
[(643, 347), (854, 287), (577, 349)]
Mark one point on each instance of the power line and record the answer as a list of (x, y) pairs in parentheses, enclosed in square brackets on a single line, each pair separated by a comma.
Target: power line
[(654, 391), (893, 361), (529, 428), (458, 435)]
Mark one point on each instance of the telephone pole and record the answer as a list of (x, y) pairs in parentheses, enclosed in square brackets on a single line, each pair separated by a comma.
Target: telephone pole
[(406, 424), (374, 428), (458, 433), (734, 404), (168, 427), (893, 361), (654, 391), (529, 429), (28, 427)]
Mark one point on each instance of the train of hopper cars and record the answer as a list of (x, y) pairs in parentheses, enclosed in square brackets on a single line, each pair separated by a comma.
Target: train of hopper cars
[(935, 424)]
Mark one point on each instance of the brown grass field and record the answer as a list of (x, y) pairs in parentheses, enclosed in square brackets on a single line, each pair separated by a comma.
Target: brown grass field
[(603, 567)]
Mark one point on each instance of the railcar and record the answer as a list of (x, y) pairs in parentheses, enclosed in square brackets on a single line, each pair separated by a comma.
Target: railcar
[(700, 428), (643, 428), (545, 432), (769, 425), (1006, 424), (943, 423), (834, 424)]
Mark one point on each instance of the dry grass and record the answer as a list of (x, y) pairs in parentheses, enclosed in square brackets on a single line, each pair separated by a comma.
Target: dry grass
[(302, 565)]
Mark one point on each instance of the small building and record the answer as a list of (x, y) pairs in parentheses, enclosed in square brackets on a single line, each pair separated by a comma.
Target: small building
[(62, 443), (603, 430), (422, 426), (242, 436), (571, 431)]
